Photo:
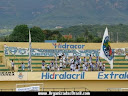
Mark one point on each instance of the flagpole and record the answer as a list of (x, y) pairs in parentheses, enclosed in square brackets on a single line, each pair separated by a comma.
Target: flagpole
[(30, 50), (105, 50)]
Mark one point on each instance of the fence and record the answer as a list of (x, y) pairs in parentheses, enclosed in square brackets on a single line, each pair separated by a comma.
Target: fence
[(54, 89), (117, 89)]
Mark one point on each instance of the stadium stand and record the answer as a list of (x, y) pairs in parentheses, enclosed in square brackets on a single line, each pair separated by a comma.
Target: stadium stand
[(120, 64)]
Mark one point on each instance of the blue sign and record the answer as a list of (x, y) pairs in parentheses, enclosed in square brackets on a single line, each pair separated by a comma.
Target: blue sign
[(112, 75), (62, 76), (67, 46)]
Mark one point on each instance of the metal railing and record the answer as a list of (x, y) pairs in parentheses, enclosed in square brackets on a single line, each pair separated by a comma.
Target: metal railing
[(117, 89), (54, 89)]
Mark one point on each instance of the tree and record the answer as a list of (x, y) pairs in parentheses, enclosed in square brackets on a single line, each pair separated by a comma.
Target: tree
[(80, 39), (86, 35), (53, 35), (90, 38), (97, 40), (37, 34), (20, 34)]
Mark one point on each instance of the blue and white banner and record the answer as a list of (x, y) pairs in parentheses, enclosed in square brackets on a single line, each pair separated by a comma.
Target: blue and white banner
[(120, 51), (48, 52), (55, 52)]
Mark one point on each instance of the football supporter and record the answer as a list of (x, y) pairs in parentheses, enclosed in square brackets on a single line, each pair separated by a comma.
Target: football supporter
[(52, 65), (90, 64), (74, 67), (90, 59), (56, 65), (83, 66), (79, 63), (86, 67), (48, 67), (84, 59), (97, 59), (72, 60), (96, 66), (86, 63), (77, 68), (103, 67), (43, 65), (61, 64), (12, 64), (71, 67), (100, 66), (22, 66), (66, 60), (92, 67)]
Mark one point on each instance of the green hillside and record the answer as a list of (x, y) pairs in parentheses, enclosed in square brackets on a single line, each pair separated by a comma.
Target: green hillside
[(52, 13)]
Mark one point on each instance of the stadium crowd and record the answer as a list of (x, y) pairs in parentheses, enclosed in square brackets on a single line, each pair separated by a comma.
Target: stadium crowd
[(75, 63)]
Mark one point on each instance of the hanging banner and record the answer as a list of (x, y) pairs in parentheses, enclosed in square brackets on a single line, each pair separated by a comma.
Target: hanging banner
[(49, 52), (119, 51), (56, 52), (31, 88)]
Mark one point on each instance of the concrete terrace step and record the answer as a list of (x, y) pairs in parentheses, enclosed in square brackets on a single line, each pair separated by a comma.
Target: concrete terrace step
[(58, 63), (39, 65), (81, 68), (39, 70), (4, 69), (42, 57), (2, 65), (35, 59)]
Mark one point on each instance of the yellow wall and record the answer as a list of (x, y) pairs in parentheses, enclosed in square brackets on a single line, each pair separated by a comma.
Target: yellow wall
[(50, 46), (92, 85)]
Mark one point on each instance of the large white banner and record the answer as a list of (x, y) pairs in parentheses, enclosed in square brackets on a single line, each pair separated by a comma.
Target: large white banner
[(31, 88), (48, 52), (119, 51)]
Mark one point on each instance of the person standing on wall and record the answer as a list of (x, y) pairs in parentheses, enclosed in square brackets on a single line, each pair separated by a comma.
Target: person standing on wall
[(90, 59), (43, 65), (84, 60), (23, 66), (100, 66), (12, 64), (103, 67)]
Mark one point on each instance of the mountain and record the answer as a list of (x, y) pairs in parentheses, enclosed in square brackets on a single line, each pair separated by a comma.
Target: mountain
[(52, 13)]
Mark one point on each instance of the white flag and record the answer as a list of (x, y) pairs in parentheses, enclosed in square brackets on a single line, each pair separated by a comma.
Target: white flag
[(105, 50), (30, 50)]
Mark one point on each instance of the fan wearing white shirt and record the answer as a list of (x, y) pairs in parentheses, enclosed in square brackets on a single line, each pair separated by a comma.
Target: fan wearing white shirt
[(55, 62), (100, 66), (96, 66), (90, 59), (84, 60), (52, 65), (83, 67), (79, 63), (103, 67), (61, 65), (71, 67), (12, 64), (86, 67)]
